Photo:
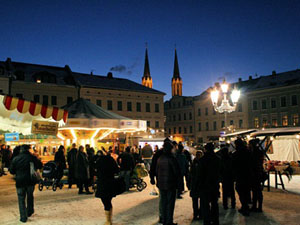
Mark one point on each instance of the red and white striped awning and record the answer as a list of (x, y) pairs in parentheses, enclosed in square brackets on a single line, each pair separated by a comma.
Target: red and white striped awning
[(34, 108)]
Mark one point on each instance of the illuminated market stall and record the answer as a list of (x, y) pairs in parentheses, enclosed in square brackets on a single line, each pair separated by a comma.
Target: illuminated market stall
[(28, 122), (90, 124)]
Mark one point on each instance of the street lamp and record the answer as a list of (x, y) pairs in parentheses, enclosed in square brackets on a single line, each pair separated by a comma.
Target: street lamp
[(225, 106)]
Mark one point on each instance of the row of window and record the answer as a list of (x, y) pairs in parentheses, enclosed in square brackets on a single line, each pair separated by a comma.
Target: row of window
[(214, 125), (275, 122), (180, 130), (239, 109), (44, 99), (129, 107), (155, 126), (207, 126), (179, 117), (273, 102)]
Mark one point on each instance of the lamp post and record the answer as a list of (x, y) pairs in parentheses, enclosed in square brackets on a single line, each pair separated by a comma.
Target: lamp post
[(225, 106)]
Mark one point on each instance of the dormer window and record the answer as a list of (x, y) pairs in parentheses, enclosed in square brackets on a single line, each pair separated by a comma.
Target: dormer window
[(44, 77)]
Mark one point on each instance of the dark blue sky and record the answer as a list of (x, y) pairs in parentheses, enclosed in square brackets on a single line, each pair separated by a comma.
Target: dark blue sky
[(214, 38)]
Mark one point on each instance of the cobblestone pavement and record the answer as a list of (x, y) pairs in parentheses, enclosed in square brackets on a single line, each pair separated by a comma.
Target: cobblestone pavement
[(67, 207)]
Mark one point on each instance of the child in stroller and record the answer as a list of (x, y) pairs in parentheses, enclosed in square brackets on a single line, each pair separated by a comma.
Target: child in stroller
[(136, 179), (51, 177)]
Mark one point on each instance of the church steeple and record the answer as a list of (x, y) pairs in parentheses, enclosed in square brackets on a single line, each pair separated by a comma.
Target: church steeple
[(176, 80), (147, 80)]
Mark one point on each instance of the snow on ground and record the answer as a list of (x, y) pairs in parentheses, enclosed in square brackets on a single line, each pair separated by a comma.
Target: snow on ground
[(137, 208)]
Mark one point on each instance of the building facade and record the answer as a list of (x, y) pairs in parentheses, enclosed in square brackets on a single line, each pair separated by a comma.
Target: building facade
[(58, 86), (265, 102)]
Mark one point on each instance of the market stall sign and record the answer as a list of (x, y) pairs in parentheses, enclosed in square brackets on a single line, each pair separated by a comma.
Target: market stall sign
[(11, 136), (44, 127)]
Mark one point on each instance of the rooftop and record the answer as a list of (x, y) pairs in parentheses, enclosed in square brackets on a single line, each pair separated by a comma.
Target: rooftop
[(65, 76)]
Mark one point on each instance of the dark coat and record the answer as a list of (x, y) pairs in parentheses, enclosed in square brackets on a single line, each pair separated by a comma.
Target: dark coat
[(241, 161), (82, 167), (152, 172), (106, 167), (183, 163), (209, 174), (20, 166), (71, 157), (194, 178), (60, 160), (257, 166), (6, 157), (227, 173), (126, 161), (167, 172)]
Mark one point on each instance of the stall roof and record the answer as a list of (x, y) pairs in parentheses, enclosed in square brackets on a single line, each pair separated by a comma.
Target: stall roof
[(82, 108), (277, 131), (240, 133)]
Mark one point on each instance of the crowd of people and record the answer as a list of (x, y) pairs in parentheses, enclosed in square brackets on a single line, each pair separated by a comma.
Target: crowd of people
[(241, 170), (170, 168)]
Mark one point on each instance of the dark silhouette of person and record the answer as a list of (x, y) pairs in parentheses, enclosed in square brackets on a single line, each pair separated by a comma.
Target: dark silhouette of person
[(167, 174), (194, 182), (209, 178), (183, 166), (20, 166), (227, 178), (82, 171), (257, 180), (242, 168), (71, 158), (106, 168), (60, 161), (126, 163)]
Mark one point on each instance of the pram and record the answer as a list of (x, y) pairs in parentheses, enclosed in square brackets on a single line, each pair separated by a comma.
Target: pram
[(136, 179), (50, 177)]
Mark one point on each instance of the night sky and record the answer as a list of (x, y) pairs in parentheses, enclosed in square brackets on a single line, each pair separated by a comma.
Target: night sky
[(213, 38)]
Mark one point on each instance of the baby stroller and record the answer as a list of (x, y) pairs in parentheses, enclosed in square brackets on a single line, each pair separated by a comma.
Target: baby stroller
[(136, 179), (50, 177)]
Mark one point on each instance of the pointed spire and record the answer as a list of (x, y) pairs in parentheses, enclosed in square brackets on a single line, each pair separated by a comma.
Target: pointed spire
[(146, 68), (176, 73)]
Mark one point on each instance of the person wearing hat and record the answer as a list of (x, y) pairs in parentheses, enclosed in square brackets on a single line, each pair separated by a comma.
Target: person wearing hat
[(167, 174), (20, 167), (208, 185)]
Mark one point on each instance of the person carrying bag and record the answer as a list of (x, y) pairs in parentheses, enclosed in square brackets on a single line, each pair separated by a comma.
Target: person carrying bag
[(25, 167), (107, 185)]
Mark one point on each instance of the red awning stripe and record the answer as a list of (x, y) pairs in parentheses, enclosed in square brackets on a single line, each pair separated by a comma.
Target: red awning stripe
[(34, 108), (20, 105)]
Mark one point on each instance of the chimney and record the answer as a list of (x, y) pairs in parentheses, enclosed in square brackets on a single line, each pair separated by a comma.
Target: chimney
[(240, 79), (250, 77), (274, 72), (109, 75)]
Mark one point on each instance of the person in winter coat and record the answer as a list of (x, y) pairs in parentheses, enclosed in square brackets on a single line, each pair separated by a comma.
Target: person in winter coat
[(136, 156), (258, 175), (243, 173), (153, 174), (147, 153), (194, 182), (183, 165), (126, 163), (82, 171), (20, 166), (209, 178), (71, 157), (60, 161), (91, 154), (227, 178), (167, 174), (106, 167)]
